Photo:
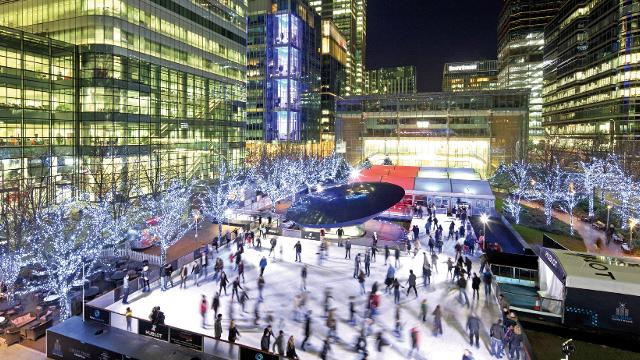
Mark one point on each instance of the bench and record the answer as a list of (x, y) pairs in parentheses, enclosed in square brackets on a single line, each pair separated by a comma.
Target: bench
[(23, 320)]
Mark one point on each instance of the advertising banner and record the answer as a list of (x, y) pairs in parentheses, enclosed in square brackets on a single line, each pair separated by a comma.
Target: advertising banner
[(96, 314), (255, 354), (186, 338), (160, 332), (62, 347)]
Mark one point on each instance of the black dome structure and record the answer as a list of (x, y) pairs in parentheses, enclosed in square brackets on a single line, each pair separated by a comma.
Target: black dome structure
[(345, 205)]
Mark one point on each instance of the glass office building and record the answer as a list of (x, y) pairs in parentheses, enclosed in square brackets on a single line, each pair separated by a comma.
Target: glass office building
[(592, 79), (470, 76), (350, 17), (333, 78), (391, 80), (471, 130), (159, 88), (520, 51), (284, 71)]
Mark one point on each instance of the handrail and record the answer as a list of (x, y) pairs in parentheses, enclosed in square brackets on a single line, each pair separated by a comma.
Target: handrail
[(527, 348)]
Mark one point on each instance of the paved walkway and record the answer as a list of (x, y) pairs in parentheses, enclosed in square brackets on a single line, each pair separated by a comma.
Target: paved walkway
[(588, 233), (19, 352), (282, 278)]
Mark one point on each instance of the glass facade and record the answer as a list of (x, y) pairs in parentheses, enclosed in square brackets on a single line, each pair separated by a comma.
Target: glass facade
[(592, 79), (350, 17), (520, 51), (38, 129), (470, 76), (473, 129), (334, 61), (159, 86), (284, 71), (393, 80)]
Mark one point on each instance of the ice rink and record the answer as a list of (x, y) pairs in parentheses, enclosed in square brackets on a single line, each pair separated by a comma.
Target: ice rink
[(283, 283)]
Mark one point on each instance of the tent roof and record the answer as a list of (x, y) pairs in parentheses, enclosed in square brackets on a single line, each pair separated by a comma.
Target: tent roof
[(598, 273), (433, 185), (404, 182), (404, 171), (471, 187), (377, 170)]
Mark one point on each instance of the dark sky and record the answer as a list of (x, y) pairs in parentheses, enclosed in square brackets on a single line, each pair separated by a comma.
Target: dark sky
[(429, 33)]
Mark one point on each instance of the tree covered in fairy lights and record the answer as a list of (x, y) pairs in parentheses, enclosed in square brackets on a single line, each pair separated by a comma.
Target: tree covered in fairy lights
[(549, 186), (11, 263), (169, 215), (626, 188), (61, 244), (219, 197), (590, 173), (571, 197), (518, 176)]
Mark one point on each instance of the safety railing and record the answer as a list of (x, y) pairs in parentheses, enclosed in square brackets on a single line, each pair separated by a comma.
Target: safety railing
[(515, 275)]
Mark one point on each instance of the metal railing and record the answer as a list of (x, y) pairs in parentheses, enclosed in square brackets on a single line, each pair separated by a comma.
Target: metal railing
[(515, 275), (133, 255)]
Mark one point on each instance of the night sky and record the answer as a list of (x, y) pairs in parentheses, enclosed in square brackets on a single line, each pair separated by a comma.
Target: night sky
[(429, 33)]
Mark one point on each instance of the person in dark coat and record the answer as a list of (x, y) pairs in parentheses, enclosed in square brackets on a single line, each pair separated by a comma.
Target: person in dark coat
[(234, 334), (291, 348), (217, 327), (473, 325), (265, 341), (298, 248), (278, 344), (307, 330), (475, 285)]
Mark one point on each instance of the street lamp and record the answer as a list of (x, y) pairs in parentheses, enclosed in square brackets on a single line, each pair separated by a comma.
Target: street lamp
[(572, 195), (632, 224), (484, 218), (608, 212)]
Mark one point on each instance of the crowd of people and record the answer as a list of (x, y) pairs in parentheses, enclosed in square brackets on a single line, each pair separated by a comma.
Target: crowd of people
[(363, 311)]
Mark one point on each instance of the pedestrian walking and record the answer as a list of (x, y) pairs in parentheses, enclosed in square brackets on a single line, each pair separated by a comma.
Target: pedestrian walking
[(234, 334), (260, 288), (468, 264), (515, 343), (234, 288), (183, 276), (462, 287), (374, 251), (145, 279), (241, 270), (397, 256), (273, 243), (223, 282), (263, 265), (303, 278), (367, 263), (374, 239), (347, 249), (298, 248), (125, 289), (487, 278), (265, 341), (326, 348), (361, 277), (473, 325), (415, 341), (450, 267), (434, 262), (352, 311), (129, 316), (307, 330), (291, 348), (423, 310), (475, 286), (437, 321), (195, 272), (215, 304), (278, 344), (496, 332), (387, 253), (388, 281), (412, 283), (356, 266), (381, 342), (204, 307), (340, 233), (396, 291)]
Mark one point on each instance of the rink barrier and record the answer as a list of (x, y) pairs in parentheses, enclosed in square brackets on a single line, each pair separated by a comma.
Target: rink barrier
[(177, 336), (527, 349)]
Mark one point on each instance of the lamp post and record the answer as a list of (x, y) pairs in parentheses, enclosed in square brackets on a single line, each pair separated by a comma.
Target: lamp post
[(632, 224), (484, 218), (607, 228), (572, 195)]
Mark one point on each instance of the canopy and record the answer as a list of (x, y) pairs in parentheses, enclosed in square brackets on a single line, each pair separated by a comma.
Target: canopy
[(592, 272), (404, 182)]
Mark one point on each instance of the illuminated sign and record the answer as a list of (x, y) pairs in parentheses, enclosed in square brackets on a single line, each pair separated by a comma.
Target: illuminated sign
[(465, 67)]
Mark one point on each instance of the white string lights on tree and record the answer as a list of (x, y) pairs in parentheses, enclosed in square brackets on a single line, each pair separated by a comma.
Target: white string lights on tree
[(218, 198), (11, 262), (519, 174), (549, 188)]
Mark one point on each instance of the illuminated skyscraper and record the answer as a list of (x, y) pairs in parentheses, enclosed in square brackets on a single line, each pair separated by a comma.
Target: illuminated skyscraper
[(470, 76), (119, 92), (350, 17), (283, 72), (391, 80), (334, 61), (520, 50), (592, 79)]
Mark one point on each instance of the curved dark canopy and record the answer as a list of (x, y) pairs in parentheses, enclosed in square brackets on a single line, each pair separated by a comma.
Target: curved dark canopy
[(345, 205)]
